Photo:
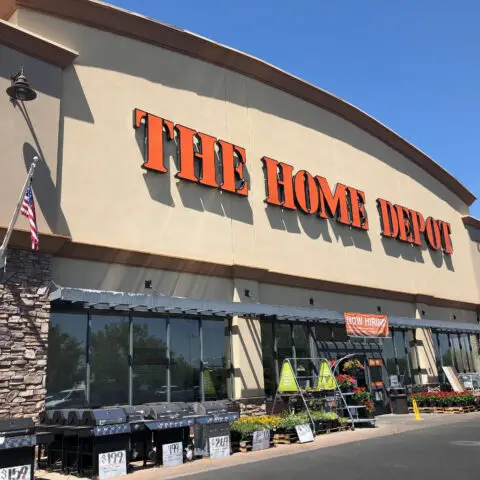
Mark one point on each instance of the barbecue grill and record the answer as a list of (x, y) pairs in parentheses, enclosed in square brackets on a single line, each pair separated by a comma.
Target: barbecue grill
[(141, 447), (212, 427), (170, 423), (82, 436), (17, 448)]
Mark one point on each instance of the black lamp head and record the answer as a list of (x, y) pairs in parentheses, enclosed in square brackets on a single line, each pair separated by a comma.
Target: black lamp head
[(20, 89)]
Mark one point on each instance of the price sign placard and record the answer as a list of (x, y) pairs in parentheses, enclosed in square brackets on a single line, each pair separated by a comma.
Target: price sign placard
[(219, 447), (112, 464), (21, 472), (304, 433), (172, 454), (261, 440)]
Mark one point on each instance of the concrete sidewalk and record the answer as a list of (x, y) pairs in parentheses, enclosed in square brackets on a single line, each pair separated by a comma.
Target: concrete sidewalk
[(386, 425)]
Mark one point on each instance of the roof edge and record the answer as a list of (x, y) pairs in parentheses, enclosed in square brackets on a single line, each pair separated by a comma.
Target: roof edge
[(470, 221), (122, 22), (35, 46)]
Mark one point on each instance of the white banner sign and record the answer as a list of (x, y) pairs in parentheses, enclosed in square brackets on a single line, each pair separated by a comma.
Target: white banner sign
[(304, 433), (21, 472), (261, 440), (112, 464), (219, 447), (172, 454)]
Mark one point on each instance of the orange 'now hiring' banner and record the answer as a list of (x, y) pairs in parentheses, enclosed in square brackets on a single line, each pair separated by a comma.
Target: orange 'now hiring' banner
[(366, 325)]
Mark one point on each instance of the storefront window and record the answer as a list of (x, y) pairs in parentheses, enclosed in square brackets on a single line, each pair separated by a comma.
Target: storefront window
[(185, 360), (150, 360), (283, 335), (109, 375), (66, 367), (215, 372), (303, 367), (401, 354), (457, 352), (467, 353), (268, 358), (388, 355), (340, 334)]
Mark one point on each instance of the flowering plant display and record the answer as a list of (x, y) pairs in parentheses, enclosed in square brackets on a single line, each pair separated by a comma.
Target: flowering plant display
[(345, 380), (361, 394), (443, 399), (247, 425), (369, 406), (353, 364)]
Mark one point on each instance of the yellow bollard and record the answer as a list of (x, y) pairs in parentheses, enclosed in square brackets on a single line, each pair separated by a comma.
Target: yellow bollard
[(415, 410)]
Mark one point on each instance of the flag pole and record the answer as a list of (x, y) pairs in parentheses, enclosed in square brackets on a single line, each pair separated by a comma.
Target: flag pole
[(3, 248)]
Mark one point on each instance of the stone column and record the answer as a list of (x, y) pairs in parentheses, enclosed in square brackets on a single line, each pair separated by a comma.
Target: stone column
[(24, 322)]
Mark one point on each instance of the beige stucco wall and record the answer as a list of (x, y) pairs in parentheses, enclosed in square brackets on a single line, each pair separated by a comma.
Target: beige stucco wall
[(20, 142), (474, 235), (120, 278), (109, 200)]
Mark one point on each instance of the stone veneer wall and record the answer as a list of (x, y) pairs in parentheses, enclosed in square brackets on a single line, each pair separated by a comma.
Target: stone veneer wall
[(24, 322)]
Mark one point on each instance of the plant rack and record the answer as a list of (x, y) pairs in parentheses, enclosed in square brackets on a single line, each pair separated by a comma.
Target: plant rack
[(290, 385)]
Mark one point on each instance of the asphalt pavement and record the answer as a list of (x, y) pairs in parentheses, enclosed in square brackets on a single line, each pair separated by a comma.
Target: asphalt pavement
[(450, 451)]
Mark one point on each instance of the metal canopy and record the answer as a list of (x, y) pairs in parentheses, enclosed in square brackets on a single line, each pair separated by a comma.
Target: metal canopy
[(137, 302)]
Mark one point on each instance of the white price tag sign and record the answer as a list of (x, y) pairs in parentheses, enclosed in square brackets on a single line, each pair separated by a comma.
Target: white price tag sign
[(21, 472), (172, 454), (304, 433), (219, 447), (261, 440), (112, 464)]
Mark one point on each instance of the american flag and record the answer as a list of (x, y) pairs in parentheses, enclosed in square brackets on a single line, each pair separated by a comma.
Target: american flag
[(28, 210)]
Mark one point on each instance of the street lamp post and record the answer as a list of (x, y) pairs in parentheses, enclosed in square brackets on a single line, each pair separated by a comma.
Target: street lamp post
[(18, 91)]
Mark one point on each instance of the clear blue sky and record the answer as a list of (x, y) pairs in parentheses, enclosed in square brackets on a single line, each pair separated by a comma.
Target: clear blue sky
[(414, 65)]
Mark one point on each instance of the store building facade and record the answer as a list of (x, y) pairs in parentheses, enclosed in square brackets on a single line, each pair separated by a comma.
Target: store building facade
[(203, 216)]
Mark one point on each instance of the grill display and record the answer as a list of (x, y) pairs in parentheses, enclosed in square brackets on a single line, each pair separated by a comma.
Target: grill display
[(82, 435), (212, 422), (104, 416), (17, 450)]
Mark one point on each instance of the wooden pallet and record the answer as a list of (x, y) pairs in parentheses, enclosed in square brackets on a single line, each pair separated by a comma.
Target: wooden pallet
[(285, 438), (341, 428), (246, 446), (446, 410)]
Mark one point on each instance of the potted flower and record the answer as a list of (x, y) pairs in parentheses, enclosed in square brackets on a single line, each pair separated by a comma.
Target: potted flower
[(331, 420), (288, 422), (360, 395), (319, 417), (345, 382), (369, 408), (352, 366), (243, 428)]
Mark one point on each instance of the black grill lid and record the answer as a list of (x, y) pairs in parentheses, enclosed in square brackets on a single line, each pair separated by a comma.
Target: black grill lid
[(211, 408), (135, 412), (104, 416), (60, 417), (75, 416), (158, 411), (185, 408), (10, 427), (46, 417)]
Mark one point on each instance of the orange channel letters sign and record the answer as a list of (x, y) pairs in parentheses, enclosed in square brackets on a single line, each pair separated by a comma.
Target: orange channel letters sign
[(302, 191)]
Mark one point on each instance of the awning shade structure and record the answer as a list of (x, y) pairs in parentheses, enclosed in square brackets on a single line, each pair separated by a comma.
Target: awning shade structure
[(125, 301)]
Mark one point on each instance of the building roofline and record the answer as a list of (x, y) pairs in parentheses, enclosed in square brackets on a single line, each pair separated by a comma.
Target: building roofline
[(470, 221), (34, 45), (109, 18)]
